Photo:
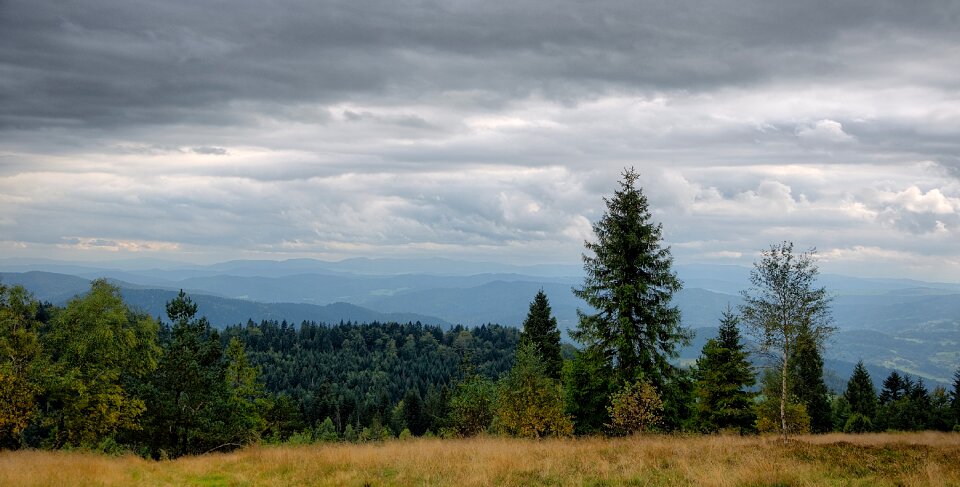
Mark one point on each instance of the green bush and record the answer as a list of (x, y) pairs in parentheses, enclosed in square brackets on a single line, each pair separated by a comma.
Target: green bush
[(858, 423)]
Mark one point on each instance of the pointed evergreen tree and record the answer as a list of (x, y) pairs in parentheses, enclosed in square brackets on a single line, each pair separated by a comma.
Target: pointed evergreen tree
[(919, 408), (723, 376), (186, 391), (808, 385), (860, 393), (893, 388), (630, 284), (540, 330), (956, 398)]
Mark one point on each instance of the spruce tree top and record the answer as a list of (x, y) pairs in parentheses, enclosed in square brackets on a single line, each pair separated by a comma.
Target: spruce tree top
[(629, 281), (860, 392), (540, 330)]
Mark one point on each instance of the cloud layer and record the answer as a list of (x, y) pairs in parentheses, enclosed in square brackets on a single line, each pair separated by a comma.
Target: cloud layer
[(482, 130)]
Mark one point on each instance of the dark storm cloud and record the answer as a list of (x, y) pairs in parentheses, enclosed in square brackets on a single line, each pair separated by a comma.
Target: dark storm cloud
[(121, 62)]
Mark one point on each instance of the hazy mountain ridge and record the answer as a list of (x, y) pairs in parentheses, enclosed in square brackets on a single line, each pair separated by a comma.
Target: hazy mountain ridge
[(60, 288), (906, 324)]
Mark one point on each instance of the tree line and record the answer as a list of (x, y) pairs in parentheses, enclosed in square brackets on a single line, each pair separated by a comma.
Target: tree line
[(97, 374)]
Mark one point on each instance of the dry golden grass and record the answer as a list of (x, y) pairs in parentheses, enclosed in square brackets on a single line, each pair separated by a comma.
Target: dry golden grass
[(868, 460)]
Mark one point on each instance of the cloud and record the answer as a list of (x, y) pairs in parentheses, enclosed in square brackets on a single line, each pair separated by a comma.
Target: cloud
[(487, 130), (828, 131)]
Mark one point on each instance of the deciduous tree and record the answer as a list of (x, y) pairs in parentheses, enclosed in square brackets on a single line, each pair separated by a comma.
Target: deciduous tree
[(636, 408), (20, 362), (783, 305), (100, 347), (529, 402)]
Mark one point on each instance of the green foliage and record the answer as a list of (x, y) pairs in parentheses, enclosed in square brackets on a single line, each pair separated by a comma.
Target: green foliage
[(326, 432), (20, 363), (769, 417), (353, 373), (414, 414), (840, 410), (587, 380), (941, 413), (471, 406), (723, 375), (529, 402), (894, 388), (905, 405), (349, 434), (629, 281), (768, 408), (199, 398), (678, 395), (807, 383), (100, 347), (540, 330), (955, 398), (860, 393), (858, 423), (783, 307), (635, 408)]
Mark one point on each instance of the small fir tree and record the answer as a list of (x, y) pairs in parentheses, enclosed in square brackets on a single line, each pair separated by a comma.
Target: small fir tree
[(860, 393), (894, 387), (540, 330), (808, 385), (723, 376), (587, 381)]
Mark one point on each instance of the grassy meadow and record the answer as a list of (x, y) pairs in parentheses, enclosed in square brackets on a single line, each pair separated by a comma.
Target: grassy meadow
[(836, 459)]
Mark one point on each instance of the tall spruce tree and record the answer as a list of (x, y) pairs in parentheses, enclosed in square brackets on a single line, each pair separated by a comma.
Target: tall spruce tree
[(723, 376), (782, 306), (808, 385), (630, 283), (540, 330), (860, 393)]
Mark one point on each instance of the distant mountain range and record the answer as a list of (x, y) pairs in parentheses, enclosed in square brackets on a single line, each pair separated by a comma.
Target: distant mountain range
[(905, 324)]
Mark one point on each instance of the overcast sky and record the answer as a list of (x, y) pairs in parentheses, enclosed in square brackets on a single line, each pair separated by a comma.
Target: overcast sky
[(484, 130)]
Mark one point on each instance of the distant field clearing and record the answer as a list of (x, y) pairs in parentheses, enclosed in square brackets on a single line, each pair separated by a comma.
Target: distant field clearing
[(836, 459)]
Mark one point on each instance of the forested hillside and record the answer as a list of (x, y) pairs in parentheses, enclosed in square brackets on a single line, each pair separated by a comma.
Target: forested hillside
[(356, 373)]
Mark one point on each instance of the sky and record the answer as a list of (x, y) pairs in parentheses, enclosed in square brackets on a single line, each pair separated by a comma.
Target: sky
[(204, 131)]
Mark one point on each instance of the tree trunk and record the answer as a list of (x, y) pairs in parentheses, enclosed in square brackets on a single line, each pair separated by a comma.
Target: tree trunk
[(783, 396)]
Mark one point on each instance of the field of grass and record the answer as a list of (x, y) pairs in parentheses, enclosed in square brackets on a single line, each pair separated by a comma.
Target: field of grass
[(868, 460)]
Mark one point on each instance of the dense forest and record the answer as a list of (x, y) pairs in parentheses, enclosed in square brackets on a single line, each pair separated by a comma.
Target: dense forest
[(98, 374)]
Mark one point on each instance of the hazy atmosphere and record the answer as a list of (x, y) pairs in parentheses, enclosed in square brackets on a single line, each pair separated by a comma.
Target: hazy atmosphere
[(485, 131)]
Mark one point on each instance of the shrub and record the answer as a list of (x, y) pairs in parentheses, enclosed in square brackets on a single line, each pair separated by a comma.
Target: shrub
[(635, 408), (858, 423)]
